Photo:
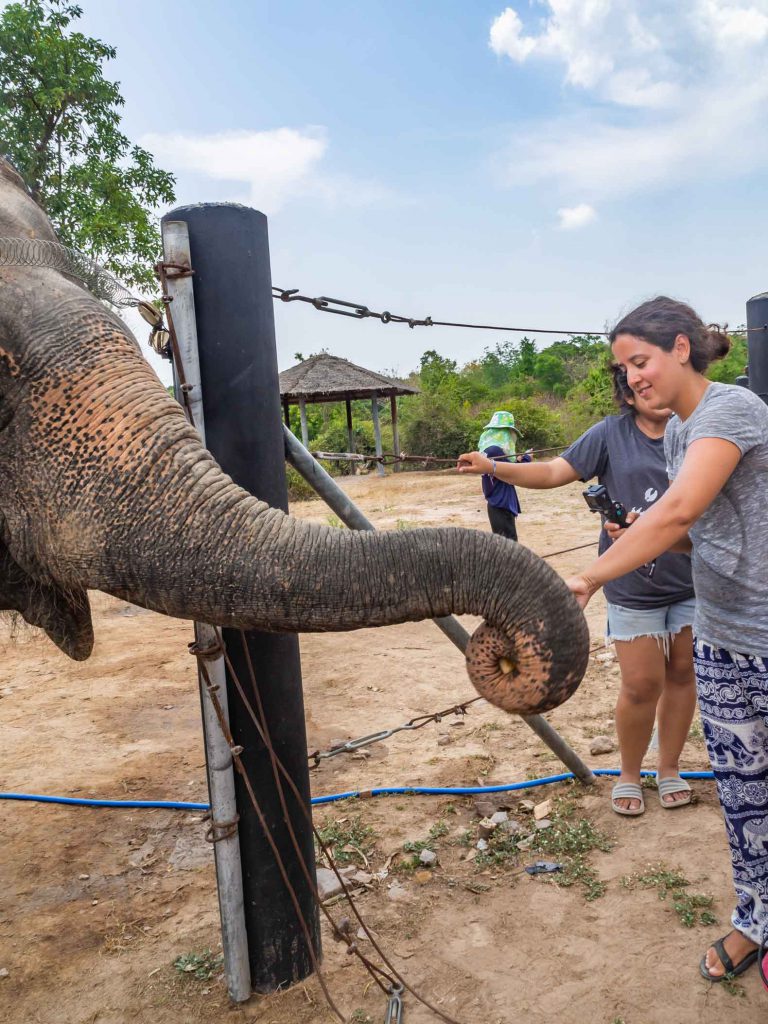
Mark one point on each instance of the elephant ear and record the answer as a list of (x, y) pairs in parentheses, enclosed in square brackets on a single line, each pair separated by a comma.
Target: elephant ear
[(65, 616)]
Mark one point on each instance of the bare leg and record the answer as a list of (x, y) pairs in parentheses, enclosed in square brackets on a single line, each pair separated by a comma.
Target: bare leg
[(676, 707), (643, 670)]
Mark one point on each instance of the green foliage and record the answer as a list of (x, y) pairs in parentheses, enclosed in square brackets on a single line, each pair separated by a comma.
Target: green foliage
[(60, 125), (691, 908), (203, 966), (347, 838), (727, 370)]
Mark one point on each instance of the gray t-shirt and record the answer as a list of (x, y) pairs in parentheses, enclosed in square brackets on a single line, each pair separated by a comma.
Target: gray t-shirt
[(632, 467), (730, 542)]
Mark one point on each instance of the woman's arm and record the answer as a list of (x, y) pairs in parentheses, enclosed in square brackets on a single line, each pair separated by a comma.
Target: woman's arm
[(538, 475), (708, 464)]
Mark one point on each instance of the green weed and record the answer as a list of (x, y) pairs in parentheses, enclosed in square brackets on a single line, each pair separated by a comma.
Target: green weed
[(347, 838), (691, 908), (333, 520), (202, 966), (414, 847)]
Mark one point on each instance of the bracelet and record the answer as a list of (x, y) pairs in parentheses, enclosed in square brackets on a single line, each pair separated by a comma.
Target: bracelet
[(493, 467)]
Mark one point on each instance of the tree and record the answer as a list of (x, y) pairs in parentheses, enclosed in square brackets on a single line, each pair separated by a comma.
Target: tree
[(60, 126)]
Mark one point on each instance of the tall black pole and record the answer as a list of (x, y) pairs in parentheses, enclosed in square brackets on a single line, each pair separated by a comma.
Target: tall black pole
[(757, 340), (238, 365)]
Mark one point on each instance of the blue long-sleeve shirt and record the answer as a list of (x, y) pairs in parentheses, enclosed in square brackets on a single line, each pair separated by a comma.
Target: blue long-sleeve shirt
[(498, 493)]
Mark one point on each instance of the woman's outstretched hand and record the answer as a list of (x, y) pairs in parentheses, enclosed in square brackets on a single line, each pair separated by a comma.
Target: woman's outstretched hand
[(474, 462), (582, 589)]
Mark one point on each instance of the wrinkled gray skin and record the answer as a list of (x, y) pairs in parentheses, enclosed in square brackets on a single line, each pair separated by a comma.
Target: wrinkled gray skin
[(105, 486)]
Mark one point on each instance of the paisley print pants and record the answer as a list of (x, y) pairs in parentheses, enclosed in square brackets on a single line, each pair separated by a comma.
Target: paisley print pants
[(733, 698)]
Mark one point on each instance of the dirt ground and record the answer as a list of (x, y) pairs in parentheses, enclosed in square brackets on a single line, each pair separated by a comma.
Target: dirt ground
[(96, 905)]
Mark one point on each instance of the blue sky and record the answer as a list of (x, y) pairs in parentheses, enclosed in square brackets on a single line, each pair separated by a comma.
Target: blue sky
[(547, 163)]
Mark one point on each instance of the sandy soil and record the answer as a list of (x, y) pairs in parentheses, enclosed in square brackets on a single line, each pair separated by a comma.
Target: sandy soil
[(95, 905)]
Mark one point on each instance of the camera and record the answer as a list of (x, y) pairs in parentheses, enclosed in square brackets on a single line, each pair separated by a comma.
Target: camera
[(599, 500)]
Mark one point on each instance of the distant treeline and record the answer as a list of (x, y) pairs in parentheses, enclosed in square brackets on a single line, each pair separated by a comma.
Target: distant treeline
[(555, 394)]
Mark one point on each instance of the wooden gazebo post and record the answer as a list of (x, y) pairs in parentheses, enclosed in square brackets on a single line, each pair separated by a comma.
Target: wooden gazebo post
[(304, 428), (395, 435), (377, 432)]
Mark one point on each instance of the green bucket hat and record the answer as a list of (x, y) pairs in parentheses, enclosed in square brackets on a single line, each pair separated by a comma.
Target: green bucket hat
[(500, 430)]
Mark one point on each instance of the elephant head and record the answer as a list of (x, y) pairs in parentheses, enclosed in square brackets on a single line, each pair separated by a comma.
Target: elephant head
[(104, 485)]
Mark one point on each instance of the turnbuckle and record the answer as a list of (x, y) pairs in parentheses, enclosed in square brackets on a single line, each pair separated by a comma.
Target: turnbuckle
[(395, 1006)]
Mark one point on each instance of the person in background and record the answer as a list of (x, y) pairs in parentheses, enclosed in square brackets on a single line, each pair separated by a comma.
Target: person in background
[(499, 441), (650, 612), (503, 503), (716, 448)]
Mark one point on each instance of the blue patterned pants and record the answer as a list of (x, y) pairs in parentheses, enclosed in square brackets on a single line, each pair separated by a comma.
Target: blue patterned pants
[(733, 698)]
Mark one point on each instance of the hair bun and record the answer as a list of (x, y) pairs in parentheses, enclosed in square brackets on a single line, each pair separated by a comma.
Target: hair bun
[(717, 341)]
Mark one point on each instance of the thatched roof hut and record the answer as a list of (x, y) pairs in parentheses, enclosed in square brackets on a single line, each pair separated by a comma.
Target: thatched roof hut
[(327, 378)]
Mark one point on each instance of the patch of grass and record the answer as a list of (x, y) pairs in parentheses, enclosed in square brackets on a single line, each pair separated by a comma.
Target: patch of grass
[(414, 847), (360, 1017), (348, 839), (732, 987), (569, 841), (203, 966), (691, 908), (649, 782), (405, 524), (333, 520)]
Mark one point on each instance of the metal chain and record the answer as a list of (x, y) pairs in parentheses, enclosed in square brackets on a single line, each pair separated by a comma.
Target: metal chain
[(359, 311), (387, 458)]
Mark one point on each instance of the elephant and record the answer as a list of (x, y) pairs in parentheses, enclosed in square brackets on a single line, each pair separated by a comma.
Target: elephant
[(104, 485)]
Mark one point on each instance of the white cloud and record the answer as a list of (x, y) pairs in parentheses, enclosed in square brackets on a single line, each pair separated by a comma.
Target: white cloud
[(669, 92), (263, 169), (573, 217)]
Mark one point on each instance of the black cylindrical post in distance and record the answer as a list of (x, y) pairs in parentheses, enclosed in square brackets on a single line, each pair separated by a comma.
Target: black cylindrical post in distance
[(244, 431), (757, 340)]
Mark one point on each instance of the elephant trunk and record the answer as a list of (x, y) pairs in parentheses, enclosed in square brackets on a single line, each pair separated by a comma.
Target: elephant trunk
[(221, 556)]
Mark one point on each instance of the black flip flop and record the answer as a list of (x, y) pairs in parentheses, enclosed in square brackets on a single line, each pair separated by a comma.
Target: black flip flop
[(731, 970)]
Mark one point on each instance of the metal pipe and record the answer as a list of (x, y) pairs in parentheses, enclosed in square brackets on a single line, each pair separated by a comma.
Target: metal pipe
[(218, 759), (341, 504)]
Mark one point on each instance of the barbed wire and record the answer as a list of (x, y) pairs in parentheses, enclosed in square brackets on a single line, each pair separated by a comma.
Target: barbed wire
[(37, 252), (359, 311)]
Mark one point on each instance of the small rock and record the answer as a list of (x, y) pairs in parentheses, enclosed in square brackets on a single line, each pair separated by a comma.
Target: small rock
[(457, 721), (511, 826), (83, 878), (544, 823), (481, 845), (484, 806), (526, 805), (525, 843), (486, 827), (361, 878), (94, 903), (4, 972), (396, 891), (602, 745), (605, 658), (361, 755), (499, 817), (444, 740), (542, 810), (328, 884), (422, 877), (360, 934), (428, 857), (471, 855)]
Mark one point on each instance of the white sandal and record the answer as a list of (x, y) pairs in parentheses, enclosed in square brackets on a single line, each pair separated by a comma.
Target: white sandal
[(673, 784), (627, 791)]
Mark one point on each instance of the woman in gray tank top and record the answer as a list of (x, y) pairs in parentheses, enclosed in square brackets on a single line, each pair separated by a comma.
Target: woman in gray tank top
[(717, 459), (650, 611)]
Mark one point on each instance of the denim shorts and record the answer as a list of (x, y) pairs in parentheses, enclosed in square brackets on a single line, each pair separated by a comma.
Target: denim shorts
[(661, 623)]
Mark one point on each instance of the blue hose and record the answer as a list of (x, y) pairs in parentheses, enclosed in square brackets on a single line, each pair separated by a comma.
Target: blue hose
[(332, 798)]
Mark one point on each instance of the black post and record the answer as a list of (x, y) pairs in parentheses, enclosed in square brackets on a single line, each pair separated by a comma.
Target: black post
[(757, 340), (238, 364)]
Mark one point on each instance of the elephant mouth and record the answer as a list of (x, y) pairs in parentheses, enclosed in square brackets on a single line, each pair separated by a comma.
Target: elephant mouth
[(515, 673)]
